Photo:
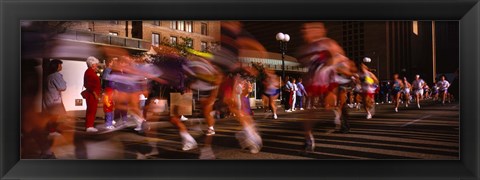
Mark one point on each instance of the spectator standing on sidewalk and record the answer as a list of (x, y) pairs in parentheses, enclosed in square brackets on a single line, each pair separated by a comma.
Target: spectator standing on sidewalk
[(300, 93)]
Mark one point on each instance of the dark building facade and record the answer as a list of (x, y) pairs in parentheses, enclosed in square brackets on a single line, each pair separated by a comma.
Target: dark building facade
[(391, 45), (403, 47)]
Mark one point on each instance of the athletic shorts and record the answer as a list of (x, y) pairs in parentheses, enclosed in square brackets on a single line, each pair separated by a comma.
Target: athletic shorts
[(419, 91), (272, 92), (370, 95), (395, 91)]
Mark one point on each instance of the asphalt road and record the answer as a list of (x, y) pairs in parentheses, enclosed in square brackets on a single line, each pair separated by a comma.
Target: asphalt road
[(431, 132)]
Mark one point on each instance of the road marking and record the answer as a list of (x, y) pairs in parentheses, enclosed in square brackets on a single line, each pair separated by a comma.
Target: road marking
[(416, 120)]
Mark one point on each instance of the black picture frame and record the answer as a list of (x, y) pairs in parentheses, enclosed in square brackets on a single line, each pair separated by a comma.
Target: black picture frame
[(12, 11)]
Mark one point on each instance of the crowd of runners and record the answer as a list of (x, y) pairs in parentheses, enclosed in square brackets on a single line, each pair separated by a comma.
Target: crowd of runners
[(130, 85)]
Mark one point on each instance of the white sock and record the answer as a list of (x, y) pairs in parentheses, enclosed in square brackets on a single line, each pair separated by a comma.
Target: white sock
[(186, 136)]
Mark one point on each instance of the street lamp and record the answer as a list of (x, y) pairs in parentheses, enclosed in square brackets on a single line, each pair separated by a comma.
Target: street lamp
[(283, 39)]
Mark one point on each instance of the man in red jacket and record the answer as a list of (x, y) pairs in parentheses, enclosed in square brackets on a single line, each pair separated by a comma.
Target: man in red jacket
[(92, 83)]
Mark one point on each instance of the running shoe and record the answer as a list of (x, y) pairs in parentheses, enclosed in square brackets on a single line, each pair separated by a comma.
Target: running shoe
[(250, 141), (189, 145), (142, 127), (369, 116), (54, 134), (92, 129), (275, 116), (210, 132)]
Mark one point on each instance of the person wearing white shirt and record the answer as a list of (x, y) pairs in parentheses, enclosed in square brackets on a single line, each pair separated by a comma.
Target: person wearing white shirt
[(443, 85), (418, 85), (294, 94)]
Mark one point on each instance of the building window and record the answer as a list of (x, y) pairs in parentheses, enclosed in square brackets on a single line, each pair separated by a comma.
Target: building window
[(181, 25), (155, 39), (113, 33), (189, 26), (415, 27), (173, 40), (173, 24), (189, 43), (203, 46), (204, 29), (113, 22), (156, 23)]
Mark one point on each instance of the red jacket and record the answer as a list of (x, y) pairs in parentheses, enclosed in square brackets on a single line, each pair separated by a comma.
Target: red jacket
[(91, 81)]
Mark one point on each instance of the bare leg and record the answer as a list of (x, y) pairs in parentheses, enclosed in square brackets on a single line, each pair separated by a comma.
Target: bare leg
[(444, 95), (208, 108), (367, 105), (272, 105), (397, 101), (187, 140), (249, 137), (309, 138)]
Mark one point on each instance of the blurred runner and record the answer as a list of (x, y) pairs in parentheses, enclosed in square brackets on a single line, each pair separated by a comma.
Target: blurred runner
[(271, 85), (233, 39), (368, 81), (328, 76)]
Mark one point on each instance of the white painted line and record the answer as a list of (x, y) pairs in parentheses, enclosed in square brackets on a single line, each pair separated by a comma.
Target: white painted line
[(416, 120)]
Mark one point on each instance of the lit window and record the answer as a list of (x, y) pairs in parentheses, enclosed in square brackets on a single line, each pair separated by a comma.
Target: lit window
[(189, 26), (173, 24), (113, 33), (203, 46), (156, 23), (204, 29), (415, 27), (181, 25), (155, 39), (173, 40), (190, 43)]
